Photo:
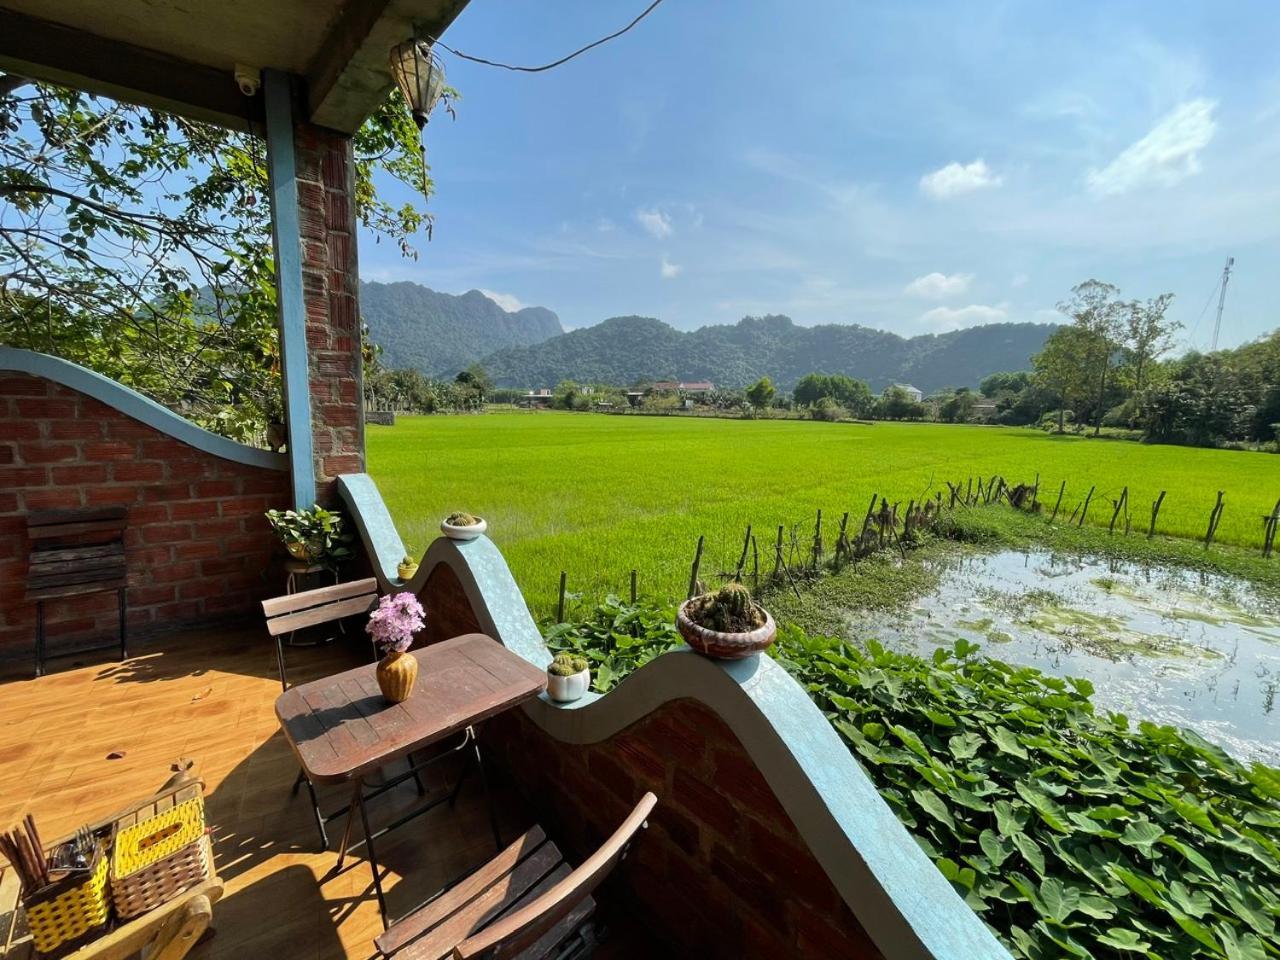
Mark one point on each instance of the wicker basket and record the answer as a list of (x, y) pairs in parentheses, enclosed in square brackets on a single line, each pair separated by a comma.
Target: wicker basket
[(160, 850), (71, 911)]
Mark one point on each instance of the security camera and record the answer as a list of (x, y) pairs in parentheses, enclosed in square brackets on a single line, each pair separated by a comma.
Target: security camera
[(248, 79)]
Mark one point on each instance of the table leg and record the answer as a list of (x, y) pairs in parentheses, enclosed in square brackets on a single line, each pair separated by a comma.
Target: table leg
[(346, 830), (373, 856), (319, 814)]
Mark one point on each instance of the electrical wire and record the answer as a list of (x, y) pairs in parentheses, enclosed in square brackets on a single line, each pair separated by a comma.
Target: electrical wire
[(1189, 339), (547, 66)]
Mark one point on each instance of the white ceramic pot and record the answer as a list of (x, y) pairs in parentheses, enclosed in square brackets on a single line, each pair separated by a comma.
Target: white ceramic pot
[(568, 689), (463, 533)]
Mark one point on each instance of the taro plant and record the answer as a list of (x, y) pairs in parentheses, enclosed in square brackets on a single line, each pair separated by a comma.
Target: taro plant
[(1072, 833), (316, 535)]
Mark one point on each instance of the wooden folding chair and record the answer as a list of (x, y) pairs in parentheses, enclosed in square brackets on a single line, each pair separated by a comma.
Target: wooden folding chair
[(525, 903), (73, 553), (310, 608)]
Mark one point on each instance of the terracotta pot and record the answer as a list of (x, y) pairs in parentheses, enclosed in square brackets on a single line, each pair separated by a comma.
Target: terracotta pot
[(726, 646), (463, 533), (397, 673)]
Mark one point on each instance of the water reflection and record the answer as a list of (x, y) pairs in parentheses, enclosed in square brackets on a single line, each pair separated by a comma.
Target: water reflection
[(1187, 648)]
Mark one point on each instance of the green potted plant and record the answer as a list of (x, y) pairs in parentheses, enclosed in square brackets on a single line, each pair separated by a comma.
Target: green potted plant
[(407, 567), (462, 526), (315, 536), (727, 624), (568, 677)]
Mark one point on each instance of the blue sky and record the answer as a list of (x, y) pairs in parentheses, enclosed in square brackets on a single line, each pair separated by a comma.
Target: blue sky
[(911, 166)]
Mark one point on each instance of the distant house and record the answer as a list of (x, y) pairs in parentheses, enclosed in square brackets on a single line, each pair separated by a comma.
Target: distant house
[(537, 398), (684, 386), (913, 393)]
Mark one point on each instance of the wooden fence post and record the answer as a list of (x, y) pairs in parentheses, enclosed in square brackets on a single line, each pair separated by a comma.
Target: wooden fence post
[(817, 542), (1124, 495), (560, 606), (1155, 512), (634, 593), (1086, 506), (1061, 490), (742, 558), (777, 554), (1269, 530), (693, 573), (1214, 516)]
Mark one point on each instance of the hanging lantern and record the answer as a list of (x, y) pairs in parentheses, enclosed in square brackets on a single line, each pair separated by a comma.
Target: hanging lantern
[(420, 75)]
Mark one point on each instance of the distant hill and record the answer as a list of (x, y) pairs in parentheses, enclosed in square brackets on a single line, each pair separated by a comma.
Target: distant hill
[(624, 350), (439, 333)]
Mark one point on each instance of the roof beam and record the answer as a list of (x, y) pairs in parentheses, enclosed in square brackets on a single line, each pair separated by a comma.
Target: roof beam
[(74, 58), (352, 69)]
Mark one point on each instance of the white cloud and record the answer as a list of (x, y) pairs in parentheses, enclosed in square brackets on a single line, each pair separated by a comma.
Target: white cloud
[(1020, 280), (507, 301), (1169, 153), (670, 270), (938, 286), (957, 178), (954, 318), (656, 222)]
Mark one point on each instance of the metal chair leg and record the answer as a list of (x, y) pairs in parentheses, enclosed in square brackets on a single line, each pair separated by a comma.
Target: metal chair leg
[(39, 638), (284, 683), (123, 603)]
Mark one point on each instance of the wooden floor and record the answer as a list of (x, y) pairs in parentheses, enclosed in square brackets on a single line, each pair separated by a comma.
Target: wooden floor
[(87, 740)]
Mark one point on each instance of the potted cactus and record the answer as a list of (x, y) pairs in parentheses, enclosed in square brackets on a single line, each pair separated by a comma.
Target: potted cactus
[(407, 567), (727, 624), (462, 526), (568, 677)]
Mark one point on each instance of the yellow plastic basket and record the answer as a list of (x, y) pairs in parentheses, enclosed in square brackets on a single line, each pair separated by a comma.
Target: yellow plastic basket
[(70, 911), (157, 836)]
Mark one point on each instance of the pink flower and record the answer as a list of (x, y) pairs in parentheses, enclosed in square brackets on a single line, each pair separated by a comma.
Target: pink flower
[(398, 617)]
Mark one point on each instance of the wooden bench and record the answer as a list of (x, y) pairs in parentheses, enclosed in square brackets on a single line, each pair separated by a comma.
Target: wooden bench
[(522, 904), (310, 608), (77, 552)]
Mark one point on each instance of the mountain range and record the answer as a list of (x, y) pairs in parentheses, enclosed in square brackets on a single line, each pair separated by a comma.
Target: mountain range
[(440, 334)]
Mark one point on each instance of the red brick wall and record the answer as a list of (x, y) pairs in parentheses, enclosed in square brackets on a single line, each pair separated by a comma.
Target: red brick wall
[(331, 288), (722, 870), (198, 548)]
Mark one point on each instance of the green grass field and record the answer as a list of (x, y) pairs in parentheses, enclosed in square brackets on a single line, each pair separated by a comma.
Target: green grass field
[(597, 496)]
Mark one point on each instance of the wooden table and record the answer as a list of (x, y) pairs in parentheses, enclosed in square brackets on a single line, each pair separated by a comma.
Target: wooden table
[(342, 730)]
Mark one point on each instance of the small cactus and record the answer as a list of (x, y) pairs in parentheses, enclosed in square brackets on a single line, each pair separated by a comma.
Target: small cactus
[(461, 519), (729, 610), (567, 665)]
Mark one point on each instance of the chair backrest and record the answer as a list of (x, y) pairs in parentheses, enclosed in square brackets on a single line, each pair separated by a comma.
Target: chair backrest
[(522, 928), (294, 611), (76, 551)]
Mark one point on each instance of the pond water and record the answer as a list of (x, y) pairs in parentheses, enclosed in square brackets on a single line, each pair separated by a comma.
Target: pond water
[(1172, 646)]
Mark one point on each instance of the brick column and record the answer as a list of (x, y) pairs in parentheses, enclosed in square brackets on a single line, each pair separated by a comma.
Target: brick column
[(330, 278)]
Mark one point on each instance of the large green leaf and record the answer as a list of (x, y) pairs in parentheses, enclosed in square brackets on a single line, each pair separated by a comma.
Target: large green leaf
[(933, 805)]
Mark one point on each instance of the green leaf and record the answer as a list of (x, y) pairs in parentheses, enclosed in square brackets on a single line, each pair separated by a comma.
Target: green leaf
[(933, 805), (1059, 901), (1196, 929), (996, 848), (1030, 851), (1141, 834), (965, 745), (1007, 742), (1119, 938), (1192, 812), (1195, 903), (1148, 888), (1010, 820), (1240, 946), (1048, 810)]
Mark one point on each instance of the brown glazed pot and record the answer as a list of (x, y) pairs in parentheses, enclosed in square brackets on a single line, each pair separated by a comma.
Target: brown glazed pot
[(397, 673), (726, 646)]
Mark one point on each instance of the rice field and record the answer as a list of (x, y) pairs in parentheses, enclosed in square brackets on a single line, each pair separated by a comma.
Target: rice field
[(598, 496)]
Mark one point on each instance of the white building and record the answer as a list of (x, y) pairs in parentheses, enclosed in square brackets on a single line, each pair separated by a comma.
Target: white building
[(915, 394)]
